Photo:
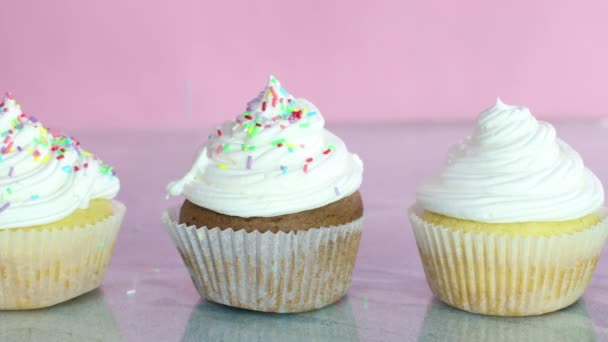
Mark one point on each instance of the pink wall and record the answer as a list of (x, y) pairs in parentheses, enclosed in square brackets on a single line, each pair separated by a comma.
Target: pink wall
[(193, 62)]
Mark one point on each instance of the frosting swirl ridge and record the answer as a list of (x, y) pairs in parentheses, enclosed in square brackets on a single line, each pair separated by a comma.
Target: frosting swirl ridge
[(513, 168)]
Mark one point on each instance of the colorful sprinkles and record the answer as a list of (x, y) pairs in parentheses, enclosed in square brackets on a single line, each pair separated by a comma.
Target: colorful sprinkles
[(44, 146), (274, 109)]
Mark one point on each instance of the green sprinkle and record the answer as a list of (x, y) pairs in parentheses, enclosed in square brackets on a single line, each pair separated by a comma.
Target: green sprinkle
[(226, 148), (252, 148), (246, 113), (243, 147), (9, 191), (331, 147), (305, 125), (253, 131), (101, 244), (39, 142), (277, 142)]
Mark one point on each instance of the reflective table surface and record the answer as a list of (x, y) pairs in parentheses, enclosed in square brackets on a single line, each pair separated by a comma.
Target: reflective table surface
[(147, 294)]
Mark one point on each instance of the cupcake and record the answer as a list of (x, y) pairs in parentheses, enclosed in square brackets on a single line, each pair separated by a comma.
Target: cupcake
[(514, 224), (272, 215), (58, 223)]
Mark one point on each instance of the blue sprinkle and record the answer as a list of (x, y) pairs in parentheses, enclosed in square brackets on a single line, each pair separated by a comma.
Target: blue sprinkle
[(283, 91), (311, 114), (35, 197), (67, 169), (285, 169)]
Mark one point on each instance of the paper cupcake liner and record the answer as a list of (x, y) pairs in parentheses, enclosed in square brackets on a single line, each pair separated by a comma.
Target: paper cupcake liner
[(507, 275), (43, 267), (273, 272)]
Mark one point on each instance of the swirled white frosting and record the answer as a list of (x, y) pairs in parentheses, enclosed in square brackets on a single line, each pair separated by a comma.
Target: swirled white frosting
[(512, 169), (44, 176), (274, 159)]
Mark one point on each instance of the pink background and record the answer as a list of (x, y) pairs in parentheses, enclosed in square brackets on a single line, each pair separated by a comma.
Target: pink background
[(153, 63)]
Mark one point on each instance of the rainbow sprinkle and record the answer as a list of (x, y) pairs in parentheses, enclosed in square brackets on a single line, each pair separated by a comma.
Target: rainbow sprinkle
[(276, 110)]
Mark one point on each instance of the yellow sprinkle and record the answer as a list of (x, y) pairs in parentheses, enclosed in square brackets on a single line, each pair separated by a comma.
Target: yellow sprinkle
[(46, 158), (223, 166)]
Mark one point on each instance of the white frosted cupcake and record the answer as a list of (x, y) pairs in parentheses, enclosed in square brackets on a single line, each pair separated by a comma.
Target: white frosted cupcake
[(58, 222), (513, 225), (273, 216)]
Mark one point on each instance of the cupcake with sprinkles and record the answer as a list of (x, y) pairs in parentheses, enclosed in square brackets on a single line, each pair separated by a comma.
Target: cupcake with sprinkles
[(58, 222), (272, 216)]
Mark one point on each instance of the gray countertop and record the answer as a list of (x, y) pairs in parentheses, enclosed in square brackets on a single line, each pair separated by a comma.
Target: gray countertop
[(147, 294)]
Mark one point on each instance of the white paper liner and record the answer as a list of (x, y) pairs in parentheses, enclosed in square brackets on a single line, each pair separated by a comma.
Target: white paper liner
[(273, 272), (507, 275), (40, 268)]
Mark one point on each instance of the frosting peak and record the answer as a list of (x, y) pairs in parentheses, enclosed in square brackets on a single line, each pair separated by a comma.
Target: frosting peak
[(512, 169), (45, 176), (276, 158), (271, 101)]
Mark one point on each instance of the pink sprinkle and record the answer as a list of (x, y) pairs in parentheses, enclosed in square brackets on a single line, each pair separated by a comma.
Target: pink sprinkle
[(219, 132), (8, 148), (274, 93), (283, 126), (219, 149), (7, 139), (276, 118), (305, 168), (308, 160), (11, 171), (239, 121), (5, 206), (9, 95), (249, 162), (264, 106)]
